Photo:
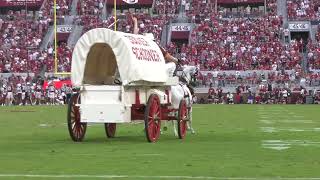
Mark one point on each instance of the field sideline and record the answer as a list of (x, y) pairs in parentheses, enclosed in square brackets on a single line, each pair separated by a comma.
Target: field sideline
[(231, 141)]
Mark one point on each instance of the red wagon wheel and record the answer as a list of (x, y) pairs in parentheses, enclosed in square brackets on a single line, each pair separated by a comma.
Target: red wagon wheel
[(152, 118), (182, 119), (110, 129), (77, 130)]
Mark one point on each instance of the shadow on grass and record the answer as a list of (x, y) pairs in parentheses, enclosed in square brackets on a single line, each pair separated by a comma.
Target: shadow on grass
[(137, 139)]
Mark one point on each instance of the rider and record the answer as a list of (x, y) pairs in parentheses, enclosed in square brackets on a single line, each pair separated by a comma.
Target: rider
[(171, 62)]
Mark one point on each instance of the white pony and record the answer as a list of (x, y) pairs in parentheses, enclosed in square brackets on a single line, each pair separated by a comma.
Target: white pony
[(181, 91)]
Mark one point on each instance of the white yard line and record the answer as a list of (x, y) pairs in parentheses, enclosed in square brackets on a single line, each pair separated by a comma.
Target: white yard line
[(286, 144), (275, 129), (65, 176), (264, 121), (265, 117), (290, 121), (44, 125)]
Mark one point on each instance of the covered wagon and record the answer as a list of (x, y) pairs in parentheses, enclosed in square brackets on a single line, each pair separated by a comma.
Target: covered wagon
[(121, 78)]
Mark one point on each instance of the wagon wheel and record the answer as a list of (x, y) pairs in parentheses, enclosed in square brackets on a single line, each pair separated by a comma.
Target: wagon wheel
[(152, 118), (182, 119), (110, 129), (77, 130)]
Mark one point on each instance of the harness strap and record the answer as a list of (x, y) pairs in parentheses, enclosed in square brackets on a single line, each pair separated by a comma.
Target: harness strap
[(184, 92)]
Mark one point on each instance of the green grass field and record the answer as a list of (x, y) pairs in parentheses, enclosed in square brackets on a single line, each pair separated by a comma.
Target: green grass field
[(231, 141)]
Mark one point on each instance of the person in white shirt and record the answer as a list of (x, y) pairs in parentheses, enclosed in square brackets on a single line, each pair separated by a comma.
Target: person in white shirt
[(9, 97), (230, 98), (285, 96), (302, 95), (38, 94), (286, 33), (51, 94), (19, 94), (274, 66)]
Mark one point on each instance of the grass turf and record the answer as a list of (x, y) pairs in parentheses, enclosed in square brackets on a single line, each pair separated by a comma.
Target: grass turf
[(227, 143)]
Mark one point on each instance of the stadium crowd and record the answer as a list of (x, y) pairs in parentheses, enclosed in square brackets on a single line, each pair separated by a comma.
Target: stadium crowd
[(20, 39), (248, 40), (303, 9)]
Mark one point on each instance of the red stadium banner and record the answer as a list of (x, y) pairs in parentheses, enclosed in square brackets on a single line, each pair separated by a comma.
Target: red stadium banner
[(240, 1), (17, 3), (130, 2), (57, 84)]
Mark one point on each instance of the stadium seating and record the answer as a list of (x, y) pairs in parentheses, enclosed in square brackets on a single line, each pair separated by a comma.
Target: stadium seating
[(303, 9), (314, 56), (219, 41), (20, 41), (167, 7), (63, 7), (241, 44)]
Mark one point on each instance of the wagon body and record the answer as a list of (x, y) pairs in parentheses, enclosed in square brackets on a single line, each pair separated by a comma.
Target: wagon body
[(113, 103)]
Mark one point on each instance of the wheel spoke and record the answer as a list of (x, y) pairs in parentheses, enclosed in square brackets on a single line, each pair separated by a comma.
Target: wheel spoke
[(156, 115), (151, 123), (76, 132)]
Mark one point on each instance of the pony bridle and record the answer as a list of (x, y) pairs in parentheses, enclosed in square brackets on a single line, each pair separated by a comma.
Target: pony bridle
[(185, 76)]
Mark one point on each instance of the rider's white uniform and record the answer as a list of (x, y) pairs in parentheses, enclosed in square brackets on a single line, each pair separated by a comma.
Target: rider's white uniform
[(171, 67)]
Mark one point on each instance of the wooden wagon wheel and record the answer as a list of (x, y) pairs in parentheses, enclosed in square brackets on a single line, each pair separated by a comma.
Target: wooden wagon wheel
[(152, 118), (182, 119), (110, 129), (77, 130)]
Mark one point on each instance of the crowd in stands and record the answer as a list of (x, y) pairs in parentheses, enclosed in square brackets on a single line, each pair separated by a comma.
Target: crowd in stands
[(217, 43), (21, 37), (314, 56), (170, 7), (285, 78), (303, 9), (63, 7), (90, 7), (237, 43), (89, 14), (241, 44), (64, 58)]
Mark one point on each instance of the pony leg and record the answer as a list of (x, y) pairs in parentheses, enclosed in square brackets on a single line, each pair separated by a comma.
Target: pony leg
[(175, 131), (165, 127), (189, 123)]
